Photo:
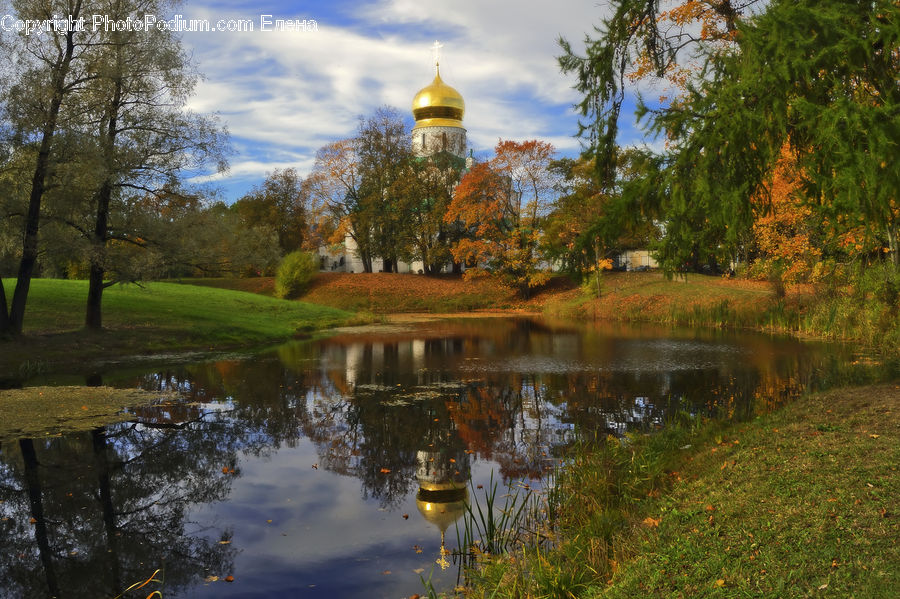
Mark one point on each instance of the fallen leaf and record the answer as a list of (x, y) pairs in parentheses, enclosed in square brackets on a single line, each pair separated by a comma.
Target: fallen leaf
[(720, 583), (268, 521), (229, 578), (874, 436), (651, 522), (211, 579), (385, 470), (417, 549), (33, 521), (823, 587), (386, 572), (224, 542), (406, 516)]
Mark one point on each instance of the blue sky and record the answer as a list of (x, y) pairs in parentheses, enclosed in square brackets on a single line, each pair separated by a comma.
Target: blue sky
[(282, 95)]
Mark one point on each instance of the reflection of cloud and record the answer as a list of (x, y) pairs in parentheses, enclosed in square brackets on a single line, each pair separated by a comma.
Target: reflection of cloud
[(291, 92)]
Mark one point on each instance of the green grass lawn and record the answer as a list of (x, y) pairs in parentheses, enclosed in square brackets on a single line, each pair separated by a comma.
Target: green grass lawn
[(158, 317), (799, 503)]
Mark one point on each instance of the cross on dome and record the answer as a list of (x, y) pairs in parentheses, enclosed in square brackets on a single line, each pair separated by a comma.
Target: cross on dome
[(436, 53)]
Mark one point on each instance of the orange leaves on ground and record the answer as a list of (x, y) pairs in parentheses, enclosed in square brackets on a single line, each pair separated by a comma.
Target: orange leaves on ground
[(652, 522)]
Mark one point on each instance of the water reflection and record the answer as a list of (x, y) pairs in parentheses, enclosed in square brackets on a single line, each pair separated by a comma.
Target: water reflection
[(291, 470)]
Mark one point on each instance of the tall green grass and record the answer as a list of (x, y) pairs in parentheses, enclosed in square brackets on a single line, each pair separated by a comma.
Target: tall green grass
[(490, 528), (596, 495)]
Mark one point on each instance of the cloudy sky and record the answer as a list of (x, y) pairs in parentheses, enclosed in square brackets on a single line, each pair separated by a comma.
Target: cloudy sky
[(284, 94)]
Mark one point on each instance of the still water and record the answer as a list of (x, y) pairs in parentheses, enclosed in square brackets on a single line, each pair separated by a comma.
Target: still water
[(328, 468)]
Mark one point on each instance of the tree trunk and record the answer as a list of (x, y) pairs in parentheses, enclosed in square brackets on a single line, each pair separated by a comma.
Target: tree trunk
[(4, 313), (32, 224), (13, 324), (93, 318), (893, 244), (93, 313)]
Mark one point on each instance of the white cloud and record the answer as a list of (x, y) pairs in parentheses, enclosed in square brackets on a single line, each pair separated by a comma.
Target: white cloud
[(285, 94)]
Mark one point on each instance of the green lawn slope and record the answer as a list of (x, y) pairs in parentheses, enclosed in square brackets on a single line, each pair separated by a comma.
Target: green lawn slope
[(156, 317)]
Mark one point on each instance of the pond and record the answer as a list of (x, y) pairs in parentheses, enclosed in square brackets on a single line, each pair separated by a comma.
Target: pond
[(336, 468)]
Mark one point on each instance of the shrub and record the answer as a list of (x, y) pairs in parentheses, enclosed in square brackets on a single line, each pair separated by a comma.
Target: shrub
[(294, 273)]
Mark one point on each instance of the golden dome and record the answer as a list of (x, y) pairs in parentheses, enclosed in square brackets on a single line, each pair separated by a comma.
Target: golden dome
[(438, 105)]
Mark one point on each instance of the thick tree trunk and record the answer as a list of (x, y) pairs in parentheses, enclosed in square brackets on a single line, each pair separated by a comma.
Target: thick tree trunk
[(32, 224), (4, 312), (60, 70), (93, 318)]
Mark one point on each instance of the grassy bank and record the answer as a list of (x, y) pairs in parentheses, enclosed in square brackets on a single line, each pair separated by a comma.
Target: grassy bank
[(386, 293), (863, 313), (696, 300), (799, 503), (156, 317)]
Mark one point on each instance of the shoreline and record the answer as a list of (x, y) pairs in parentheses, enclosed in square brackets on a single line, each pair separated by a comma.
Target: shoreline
[(797, 502)]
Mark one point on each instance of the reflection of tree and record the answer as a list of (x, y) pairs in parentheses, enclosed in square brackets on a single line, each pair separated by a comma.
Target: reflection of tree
[(380, 393), (36, 502), (109, 506)]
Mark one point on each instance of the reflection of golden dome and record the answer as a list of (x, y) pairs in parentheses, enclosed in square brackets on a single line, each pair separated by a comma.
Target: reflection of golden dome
[(442, 507), (438, 105)]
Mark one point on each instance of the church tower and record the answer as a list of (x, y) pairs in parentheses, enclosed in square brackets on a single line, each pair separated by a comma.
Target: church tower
[(438, 110)]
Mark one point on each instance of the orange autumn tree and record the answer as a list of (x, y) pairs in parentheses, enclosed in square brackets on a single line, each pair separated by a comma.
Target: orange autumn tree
[(793, 242), (501, 204), (785, 227)]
